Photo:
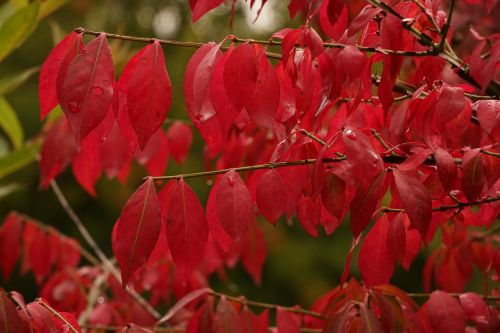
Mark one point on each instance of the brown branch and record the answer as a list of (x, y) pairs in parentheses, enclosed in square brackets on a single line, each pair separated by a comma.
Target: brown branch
[(447, 25), (269, 42), (427, 14), (427, 295), (421, 37), (494, 89), (270, 165), (57, 314), (311, 136), (176, 329), (270, 306), (458, 205)]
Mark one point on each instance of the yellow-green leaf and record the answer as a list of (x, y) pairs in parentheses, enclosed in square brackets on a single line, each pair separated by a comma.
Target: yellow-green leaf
[(17, 28), (10, 124), (18, 159), (11, 82), (18, 4)]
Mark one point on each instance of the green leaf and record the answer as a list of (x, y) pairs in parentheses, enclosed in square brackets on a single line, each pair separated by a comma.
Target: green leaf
[(7, 189), (6, 10), (11, 82), (18, 159), (18, 4), (17, 28), (10, 124)]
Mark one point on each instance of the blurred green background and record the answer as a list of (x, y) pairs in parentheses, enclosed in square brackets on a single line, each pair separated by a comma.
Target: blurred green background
[(299, 268)]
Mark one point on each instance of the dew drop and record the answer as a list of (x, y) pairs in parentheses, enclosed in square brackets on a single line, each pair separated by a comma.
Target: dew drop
[(143, 60), (97, 91), (106, 82), (350, 134), (73, 107)]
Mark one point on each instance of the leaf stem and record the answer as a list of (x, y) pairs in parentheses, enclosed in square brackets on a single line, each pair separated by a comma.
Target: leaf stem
[(427, 295), (57, 314), (270, 306), (493, 88), (269, 165), (446, 207)]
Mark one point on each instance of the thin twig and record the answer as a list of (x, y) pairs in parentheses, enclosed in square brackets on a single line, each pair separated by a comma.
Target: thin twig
[(491, 153), (421, 37), (446, 207), (178, 329), (57, 314), (270, 306), (426, 13), (269, 42), (270, 165), (312, 136), (108, 265), (493, 87), (427, 295), (447, 24)]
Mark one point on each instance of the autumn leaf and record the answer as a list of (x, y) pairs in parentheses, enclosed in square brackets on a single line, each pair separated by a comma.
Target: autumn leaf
[(137, 231)]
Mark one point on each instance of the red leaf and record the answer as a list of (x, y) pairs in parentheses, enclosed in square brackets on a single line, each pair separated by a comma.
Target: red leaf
[(47, 91), (376, 263), (149, 91), (202, 320), (475, 308), (446, 167), (39, 254), (68, 318), (233, 205), (445, 313), (333, 195), (137, 231), (473, 175), (187, 230), (87, 89), (253, 254), (271, 195), (396, 238), (391, 33), (179, 140), (87, 164), (226, 318), (155, 154), (58, 150), (42, 319), (264, 102), (287, 322), (416, 201), (224, 241), (197, 83), (10, 244), (309, 214), (200, 7), (68, 253), (334, 18), (10, 321), (240, 75), (251, 322), (364, 204)]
